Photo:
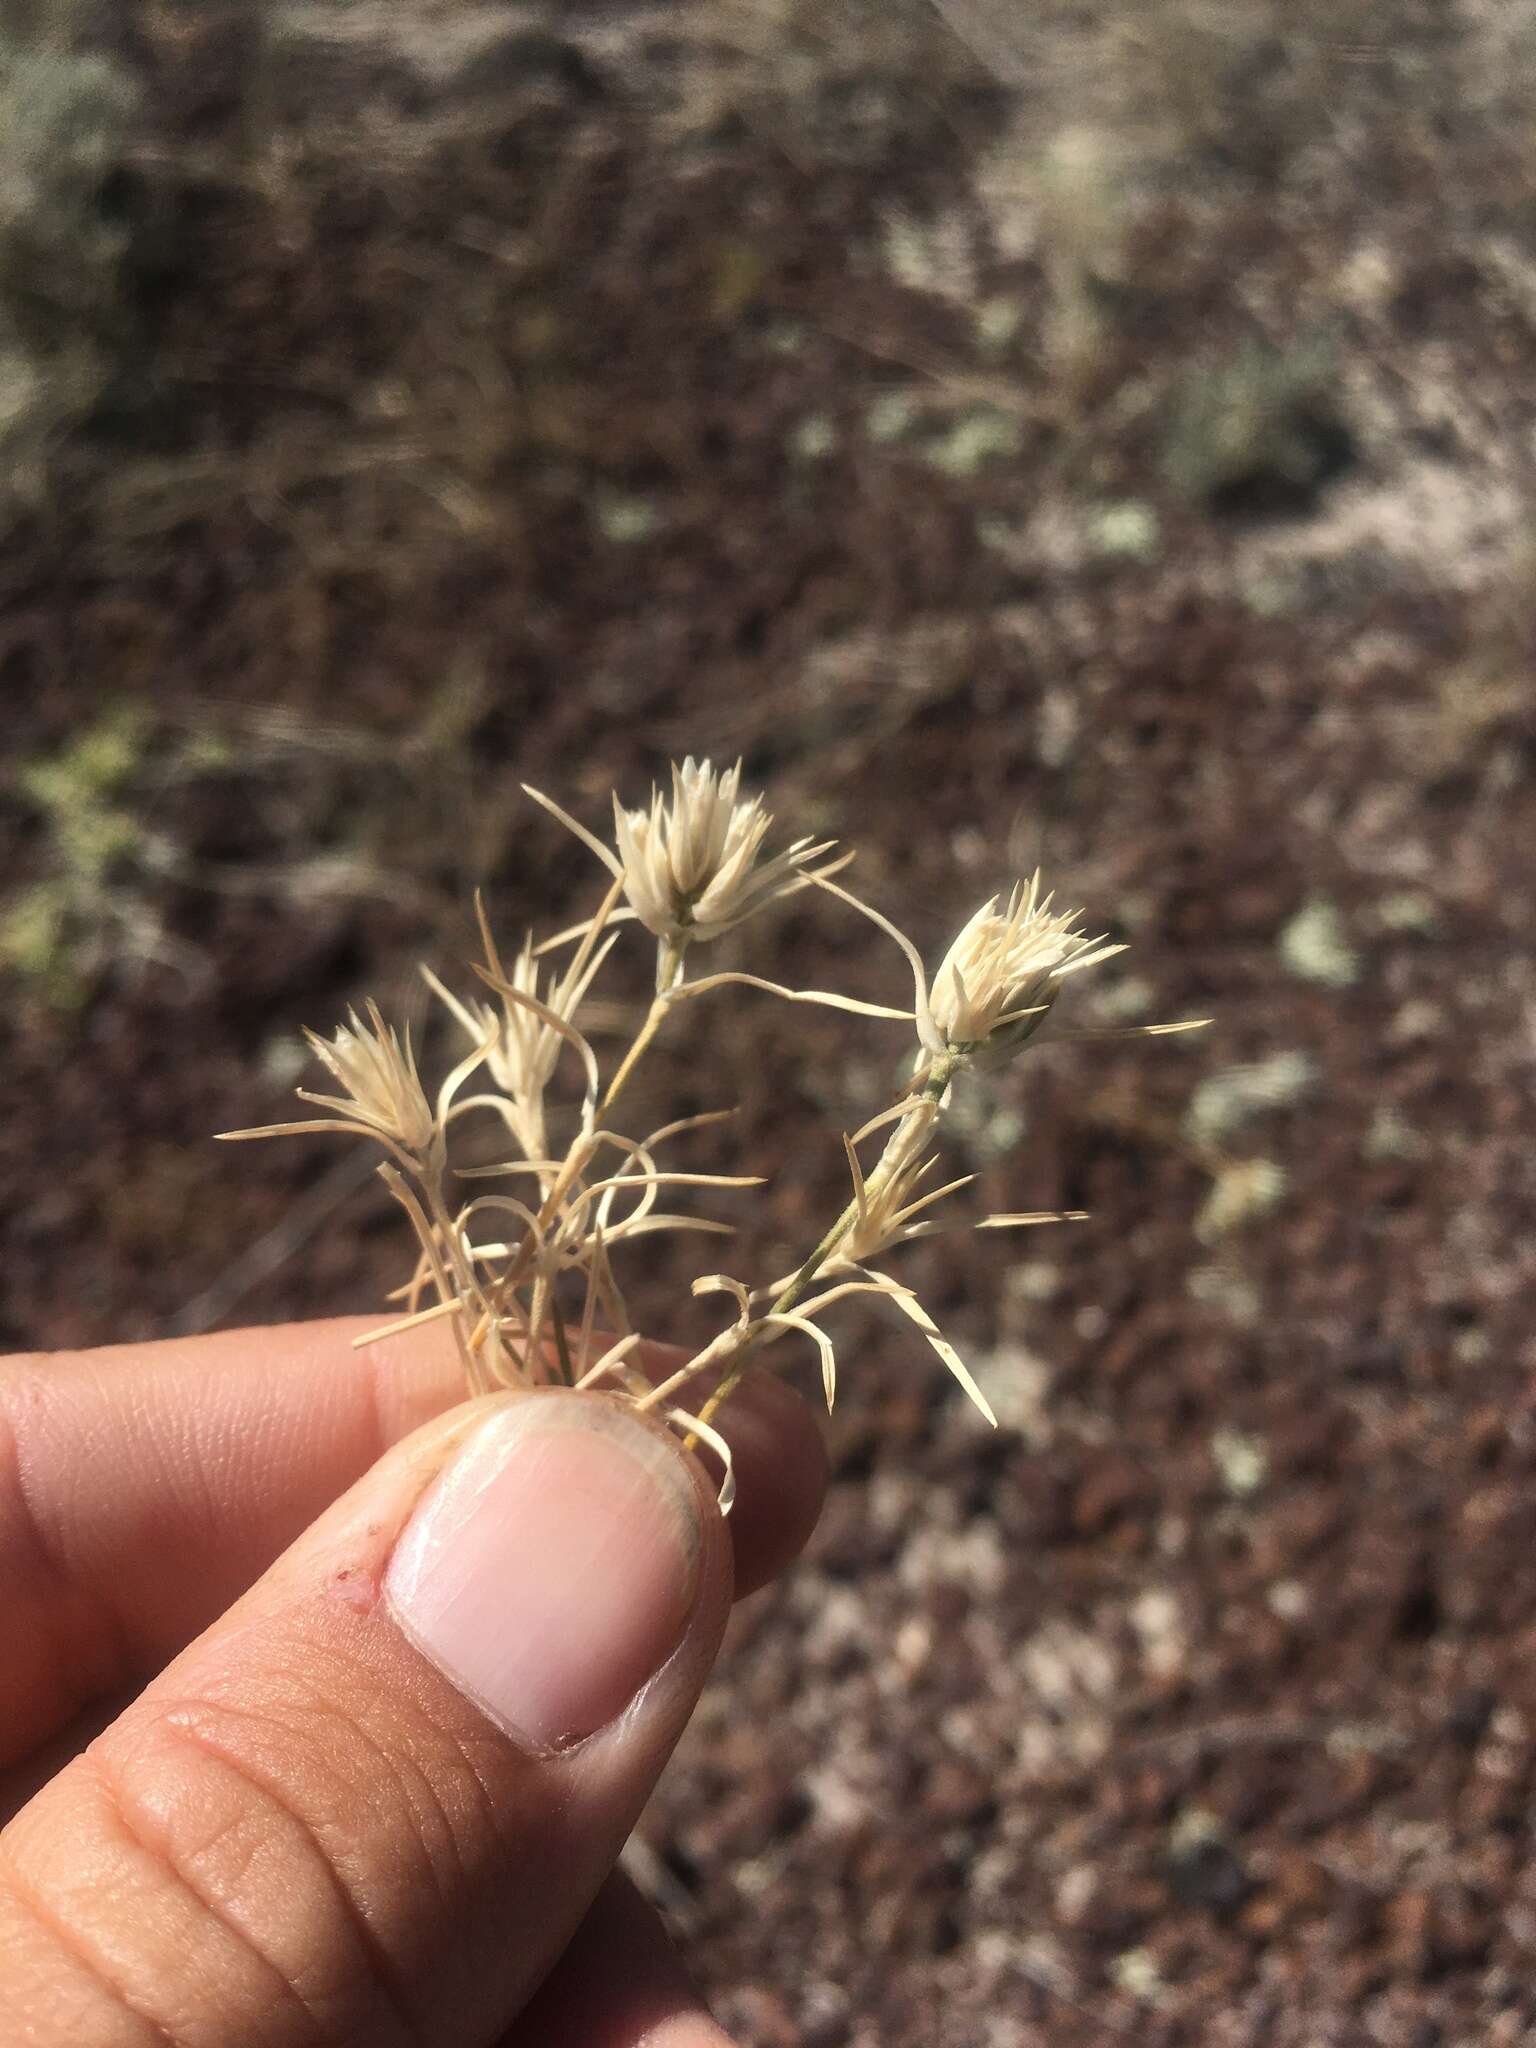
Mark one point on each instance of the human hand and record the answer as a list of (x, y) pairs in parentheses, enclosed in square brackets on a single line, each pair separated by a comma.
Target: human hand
[(379, 1798)]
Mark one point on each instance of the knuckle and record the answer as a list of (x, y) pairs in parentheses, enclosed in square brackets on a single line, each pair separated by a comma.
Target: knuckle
[(242, 1815), (298, 1859), (334, 1824), (54, 1988), (142, 1886)]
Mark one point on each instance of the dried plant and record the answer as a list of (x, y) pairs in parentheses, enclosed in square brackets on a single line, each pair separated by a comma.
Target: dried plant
[(525, 1274)]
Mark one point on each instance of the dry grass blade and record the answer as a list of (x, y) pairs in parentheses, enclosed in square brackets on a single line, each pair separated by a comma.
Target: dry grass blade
[(915, 1312), (610, 1361), (588, 839), (423, 1316), (787, 1320), (694, 1427)]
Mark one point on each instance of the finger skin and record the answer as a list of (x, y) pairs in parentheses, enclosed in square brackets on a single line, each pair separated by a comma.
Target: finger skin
[(620, 1984), (144, 1487), (303, 1834)]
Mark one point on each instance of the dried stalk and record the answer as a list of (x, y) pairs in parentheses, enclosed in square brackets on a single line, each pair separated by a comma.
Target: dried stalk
[(525, 1304)]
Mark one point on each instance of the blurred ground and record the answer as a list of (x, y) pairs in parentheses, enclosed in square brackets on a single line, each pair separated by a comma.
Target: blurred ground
[(1087, 433)]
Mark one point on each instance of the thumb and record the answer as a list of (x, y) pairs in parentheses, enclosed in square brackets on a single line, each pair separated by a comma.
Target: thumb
[(373, 1802)]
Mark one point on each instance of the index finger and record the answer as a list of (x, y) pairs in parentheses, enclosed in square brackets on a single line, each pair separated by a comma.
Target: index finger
[(143, 1487)]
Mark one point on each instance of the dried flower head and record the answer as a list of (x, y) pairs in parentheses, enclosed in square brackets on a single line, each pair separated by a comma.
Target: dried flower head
[(690, 865), (383, 1097), (377, 1068), (523, 1043), (525, 1049), (1004, 970)]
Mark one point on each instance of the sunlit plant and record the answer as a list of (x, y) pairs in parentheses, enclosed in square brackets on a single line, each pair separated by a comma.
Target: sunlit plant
[(526, 1273)]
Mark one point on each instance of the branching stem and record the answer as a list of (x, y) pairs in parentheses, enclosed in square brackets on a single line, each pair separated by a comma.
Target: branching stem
[(732, 1346)]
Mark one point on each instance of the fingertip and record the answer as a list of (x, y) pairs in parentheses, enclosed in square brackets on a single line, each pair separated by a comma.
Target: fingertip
[(553, 1567), (620, 1984), (782, 1472)]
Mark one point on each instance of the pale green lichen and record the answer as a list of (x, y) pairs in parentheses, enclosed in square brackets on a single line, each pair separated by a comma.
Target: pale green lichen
[(989, 1128), (624, 519), (813, 439), (283, 1059), (1033, 1280), (1316, 946), (1219, 1285), (1125, 1001), (1241, 1193), (1130, 529), (784, 338), (76, 790), (979, 437), (1005, 537), (1407, 910), (1391, 1136), (1232, 1097), (32, 941), (890, 416), (1272, 593), (1192, 1828), (1471, 1347), (1135, 1971), (934, 256), (52, 932), (997, 322), (1241, 1460), (1158, 1620)]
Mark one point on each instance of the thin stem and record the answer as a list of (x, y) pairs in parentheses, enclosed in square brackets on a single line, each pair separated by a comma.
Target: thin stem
[(398, 1186), (669, 968), (537, 1306), (917, 1122), (463, 1265), (562, 1343)]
